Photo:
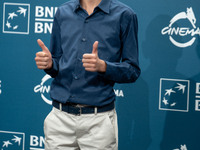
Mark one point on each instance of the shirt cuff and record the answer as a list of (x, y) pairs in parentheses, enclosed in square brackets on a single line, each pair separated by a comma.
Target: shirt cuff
[(109, 71), (53, 71)]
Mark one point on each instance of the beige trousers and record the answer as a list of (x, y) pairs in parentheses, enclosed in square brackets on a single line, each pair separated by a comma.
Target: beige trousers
[(64, 131)]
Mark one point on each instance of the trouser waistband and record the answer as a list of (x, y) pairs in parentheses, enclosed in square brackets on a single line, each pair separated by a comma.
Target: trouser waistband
[(77, 109)]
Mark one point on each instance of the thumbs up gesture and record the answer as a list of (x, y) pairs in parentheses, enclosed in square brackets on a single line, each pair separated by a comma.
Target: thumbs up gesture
[(43, 58), (92, 63)]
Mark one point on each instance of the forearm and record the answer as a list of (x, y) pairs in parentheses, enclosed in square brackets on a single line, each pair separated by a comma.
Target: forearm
[(121, 72)]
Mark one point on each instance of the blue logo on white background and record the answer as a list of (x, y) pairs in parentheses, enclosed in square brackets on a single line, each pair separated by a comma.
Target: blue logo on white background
[(174, 95), (11, 140), (16, 18)]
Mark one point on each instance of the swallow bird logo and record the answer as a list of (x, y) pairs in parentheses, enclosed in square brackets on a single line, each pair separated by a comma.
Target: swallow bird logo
[(174, 95), (11, 15), (182, 147), (16, 18), (22, 11), (17, 139), (6, 143), (12, 140)]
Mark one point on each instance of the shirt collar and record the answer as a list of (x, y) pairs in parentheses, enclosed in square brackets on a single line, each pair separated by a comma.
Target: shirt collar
[(76, 5), (104, 5)]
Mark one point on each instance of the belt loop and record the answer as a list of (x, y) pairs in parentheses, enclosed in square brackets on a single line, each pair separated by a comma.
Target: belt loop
[(80, 110), (60, 106), (95, 110)]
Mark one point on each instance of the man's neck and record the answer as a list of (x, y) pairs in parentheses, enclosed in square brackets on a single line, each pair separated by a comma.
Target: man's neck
[(89, 5)]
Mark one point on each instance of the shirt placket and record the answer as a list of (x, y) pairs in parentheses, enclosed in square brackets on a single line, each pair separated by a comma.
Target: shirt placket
[(82, 46)]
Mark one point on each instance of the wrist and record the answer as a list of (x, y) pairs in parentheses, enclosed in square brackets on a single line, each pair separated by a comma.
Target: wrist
[(103, 66), (50, 65)]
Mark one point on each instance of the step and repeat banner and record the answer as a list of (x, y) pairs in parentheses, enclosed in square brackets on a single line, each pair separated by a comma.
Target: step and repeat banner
[(161, 111)]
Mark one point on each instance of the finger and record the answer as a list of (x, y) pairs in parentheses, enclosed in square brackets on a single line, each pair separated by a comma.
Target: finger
[(41, 54), (90, 69), (92, 61), (42, 45), (42, 67), (41, 63), (41, 59), (89, 56), (95, 48), (89, 65)]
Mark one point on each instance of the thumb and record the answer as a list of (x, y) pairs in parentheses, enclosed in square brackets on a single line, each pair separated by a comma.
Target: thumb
[(42, 45), (95, 47)]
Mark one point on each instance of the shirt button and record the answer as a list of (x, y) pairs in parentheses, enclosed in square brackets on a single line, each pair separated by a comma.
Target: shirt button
[(75, 77), (83, 39)]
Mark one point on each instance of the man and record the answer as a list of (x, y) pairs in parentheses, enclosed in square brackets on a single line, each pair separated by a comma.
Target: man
[(93, 45)]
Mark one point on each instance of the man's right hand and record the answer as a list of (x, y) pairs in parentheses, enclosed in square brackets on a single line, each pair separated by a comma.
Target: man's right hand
[(43, 58)]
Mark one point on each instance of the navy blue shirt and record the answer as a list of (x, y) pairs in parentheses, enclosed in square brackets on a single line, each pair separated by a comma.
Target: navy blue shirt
[(114, 25)]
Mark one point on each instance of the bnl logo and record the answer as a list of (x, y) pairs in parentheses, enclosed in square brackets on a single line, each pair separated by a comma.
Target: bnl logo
[(174, 95), (16, 18), (11, 140)]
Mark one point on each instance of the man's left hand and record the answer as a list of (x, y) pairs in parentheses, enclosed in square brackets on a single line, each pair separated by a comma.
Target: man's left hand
[(92, 63)]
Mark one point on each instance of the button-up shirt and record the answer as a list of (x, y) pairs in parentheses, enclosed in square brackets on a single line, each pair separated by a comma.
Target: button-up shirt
[(114, 25)]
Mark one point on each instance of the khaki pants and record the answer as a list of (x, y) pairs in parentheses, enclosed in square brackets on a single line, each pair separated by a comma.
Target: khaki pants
[(64, 131)]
